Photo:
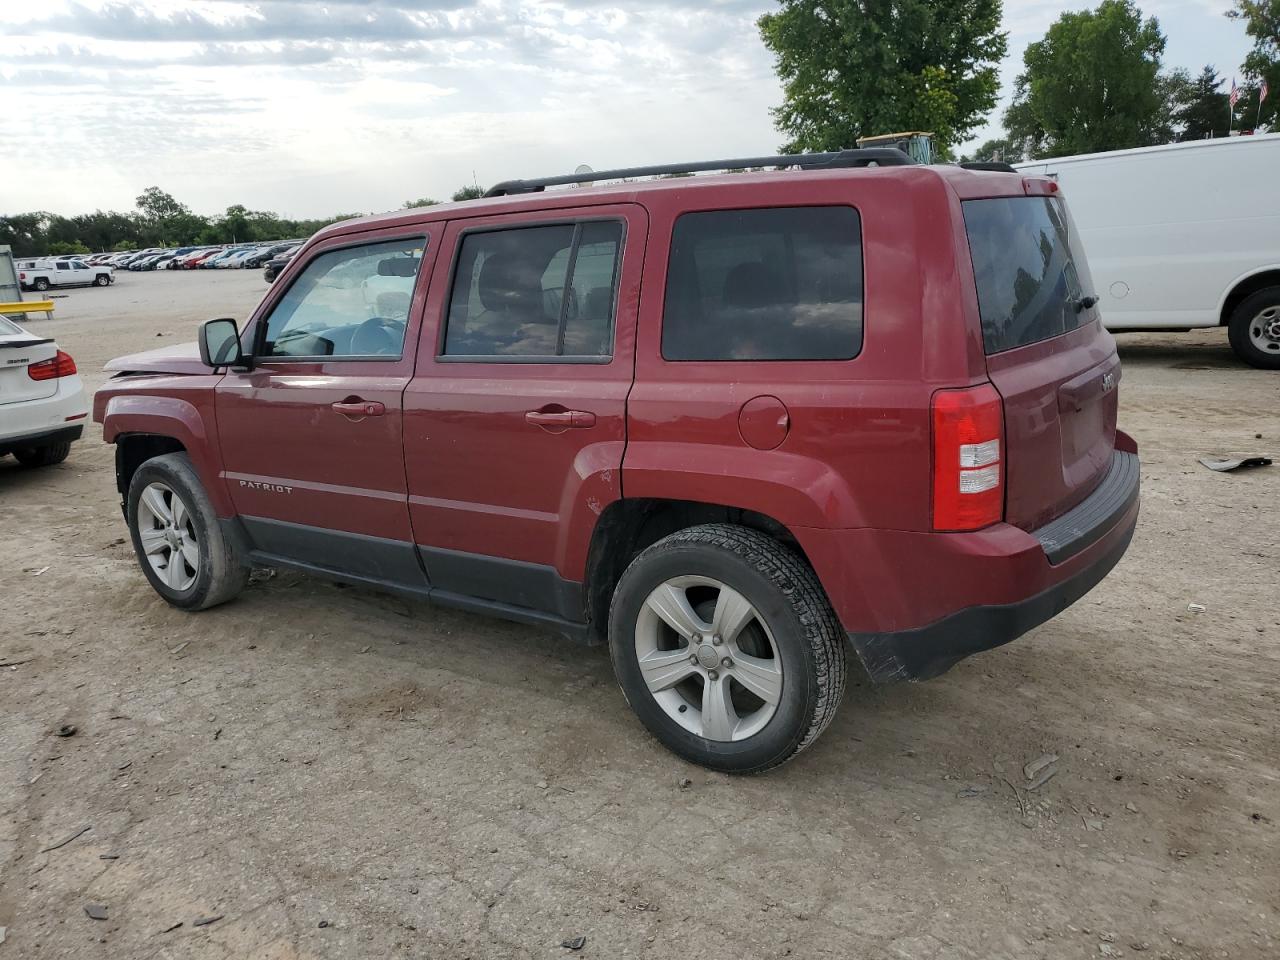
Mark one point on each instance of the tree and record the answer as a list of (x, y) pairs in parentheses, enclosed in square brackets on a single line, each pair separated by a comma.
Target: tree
[(1204, 113), (420, 202), (1092, 84), (473, 192), (60, 247), (1001, 150), (853, 68), (1262, 23)]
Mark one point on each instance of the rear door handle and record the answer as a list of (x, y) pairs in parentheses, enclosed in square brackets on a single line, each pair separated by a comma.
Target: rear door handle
[(357, 408), (560, 419)]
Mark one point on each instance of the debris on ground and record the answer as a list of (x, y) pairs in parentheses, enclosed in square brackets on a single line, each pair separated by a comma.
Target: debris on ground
[(322, 924), (108, 856), (542, 784), (1196, 608), (2, 932), (574, 943), (66, 730), (205, 921), (36, 573), (1047, 774), (1130, 807), (1226, 465), (96, 911), (968, 793), (180, 647), (1030, 770), (685, 783), (173, 928), (1092, 823), (79, 833)]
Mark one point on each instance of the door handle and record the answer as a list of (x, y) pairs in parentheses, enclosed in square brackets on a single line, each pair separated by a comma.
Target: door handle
[(356, 408), (560, 419)]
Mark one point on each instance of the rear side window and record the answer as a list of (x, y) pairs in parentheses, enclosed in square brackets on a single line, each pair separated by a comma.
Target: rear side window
[(775, 284), (535, 293), (1028, 276)]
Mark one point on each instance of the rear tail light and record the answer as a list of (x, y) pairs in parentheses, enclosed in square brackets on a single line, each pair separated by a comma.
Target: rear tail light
[(58, 366), (968, 458)]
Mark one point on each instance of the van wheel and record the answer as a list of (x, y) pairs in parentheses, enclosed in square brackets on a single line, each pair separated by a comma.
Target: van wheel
[(101, 280), (41, 284), (45, 455), (177, 538), (1254, 329), (726, 648)]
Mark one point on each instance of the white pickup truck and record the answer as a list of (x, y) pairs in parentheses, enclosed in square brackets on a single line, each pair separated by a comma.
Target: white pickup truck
[(43, 274)]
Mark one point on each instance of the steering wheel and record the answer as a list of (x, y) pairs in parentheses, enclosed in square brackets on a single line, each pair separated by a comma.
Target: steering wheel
[(378, 336)]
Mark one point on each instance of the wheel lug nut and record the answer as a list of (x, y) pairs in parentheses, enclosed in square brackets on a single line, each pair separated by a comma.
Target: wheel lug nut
[(693, 659), (717, 641), (712, 675), (726, 663)]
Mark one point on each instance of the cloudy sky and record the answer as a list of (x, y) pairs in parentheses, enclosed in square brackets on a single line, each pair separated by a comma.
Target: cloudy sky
[(312, 107)]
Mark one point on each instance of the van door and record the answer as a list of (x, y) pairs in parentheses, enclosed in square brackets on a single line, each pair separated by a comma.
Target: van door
[(515, 422), (1048, 355)]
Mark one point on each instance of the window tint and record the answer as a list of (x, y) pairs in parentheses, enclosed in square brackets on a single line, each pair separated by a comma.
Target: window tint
[(779, 284), (352, 302), (535, 292), (1028, 277), (61, 265)]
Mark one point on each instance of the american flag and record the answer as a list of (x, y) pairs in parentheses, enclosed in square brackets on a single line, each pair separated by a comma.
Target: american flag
[(1235, 92), (1262, 91)]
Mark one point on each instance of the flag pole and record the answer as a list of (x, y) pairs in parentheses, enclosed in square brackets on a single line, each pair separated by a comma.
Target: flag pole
[(1257, 122)]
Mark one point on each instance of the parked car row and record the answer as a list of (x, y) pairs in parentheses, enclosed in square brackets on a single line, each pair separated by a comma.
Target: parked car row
[(221, 257)]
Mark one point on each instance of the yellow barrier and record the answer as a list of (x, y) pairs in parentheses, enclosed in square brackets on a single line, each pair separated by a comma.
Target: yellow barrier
[(29, 306)]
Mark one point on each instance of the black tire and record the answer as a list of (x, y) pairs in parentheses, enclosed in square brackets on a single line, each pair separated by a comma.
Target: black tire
[(1251, 308), (45, 455), (41, 284), (788, 598), (101, 280), (222, 572)]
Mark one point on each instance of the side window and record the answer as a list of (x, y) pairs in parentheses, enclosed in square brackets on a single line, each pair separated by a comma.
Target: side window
[(352, 302), (535, 292), (769, 284), (61, 265)]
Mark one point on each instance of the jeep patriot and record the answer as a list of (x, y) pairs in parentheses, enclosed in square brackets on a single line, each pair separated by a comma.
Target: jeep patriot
[(735, 426)]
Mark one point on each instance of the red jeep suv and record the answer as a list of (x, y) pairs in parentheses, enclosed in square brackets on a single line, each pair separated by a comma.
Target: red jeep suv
[(732, 425)]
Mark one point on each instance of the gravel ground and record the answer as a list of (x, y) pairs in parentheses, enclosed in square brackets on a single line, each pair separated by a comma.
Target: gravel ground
[(334, 773)]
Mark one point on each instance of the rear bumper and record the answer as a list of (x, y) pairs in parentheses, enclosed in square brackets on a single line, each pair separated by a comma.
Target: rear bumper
[(926, 601), (60, 435)]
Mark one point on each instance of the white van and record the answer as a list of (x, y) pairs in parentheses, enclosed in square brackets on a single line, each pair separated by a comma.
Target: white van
[(1183, 236)]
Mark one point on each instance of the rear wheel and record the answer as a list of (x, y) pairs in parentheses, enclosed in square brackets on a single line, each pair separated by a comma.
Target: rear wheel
[(725, 646), (1254, 329), (45, 455), (177, 538), (41, 284)]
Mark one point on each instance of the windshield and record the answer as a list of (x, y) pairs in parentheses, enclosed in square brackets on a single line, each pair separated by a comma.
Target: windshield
[(1031, 280)]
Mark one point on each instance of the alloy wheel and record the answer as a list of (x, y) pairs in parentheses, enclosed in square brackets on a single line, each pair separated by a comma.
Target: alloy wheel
[(167, 533)]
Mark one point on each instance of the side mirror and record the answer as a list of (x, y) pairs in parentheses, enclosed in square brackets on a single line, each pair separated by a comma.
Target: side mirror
[(220, 343)]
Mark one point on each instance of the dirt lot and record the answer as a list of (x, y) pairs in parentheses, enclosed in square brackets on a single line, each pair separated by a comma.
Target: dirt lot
[(340, 774)]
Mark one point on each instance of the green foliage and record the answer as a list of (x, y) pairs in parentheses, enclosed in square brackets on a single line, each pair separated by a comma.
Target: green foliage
[(161, 221), (853, 68), (1262, 22), (420, 202), (59, 247), (473, 192), (1202, 107), (998, 150), (1093, 84)]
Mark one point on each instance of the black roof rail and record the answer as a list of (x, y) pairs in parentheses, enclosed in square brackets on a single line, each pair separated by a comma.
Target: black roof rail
[(996, 166), (870, 156)]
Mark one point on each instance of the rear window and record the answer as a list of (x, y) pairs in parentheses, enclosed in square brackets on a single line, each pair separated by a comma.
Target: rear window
[(773, 284), (1028, 275)]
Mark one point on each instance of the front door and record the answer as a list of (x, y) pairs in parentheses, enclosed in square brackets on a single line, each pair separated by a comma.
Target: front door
[(311, 436), (515, 423)]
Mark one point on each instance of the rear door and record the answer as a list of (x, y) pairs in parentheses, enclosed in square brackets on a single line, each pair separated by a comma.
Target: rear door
[(1047, 353), (515, 422), (18, 350)]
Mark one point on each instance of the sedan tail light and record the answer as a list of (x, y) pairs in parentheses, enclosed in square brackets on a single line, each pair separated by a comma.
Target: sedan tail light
[(57, 366), (968, 458)]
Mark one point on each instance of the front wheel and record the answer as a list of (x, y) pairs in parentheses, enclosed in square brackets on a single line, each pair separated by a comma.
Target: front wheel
[(1254, 329), (726, 648), (101, 280), (179, 543)]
